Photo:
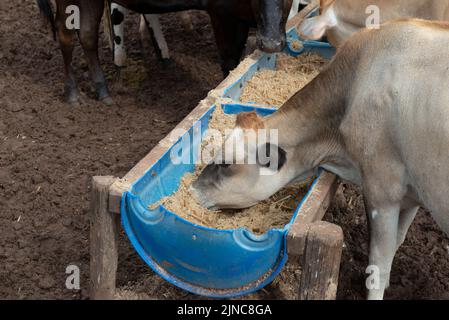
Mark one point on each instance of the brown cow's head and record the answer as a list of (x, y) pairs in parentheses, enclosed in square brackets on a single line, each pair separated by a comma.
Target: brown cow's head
[(271, 16)]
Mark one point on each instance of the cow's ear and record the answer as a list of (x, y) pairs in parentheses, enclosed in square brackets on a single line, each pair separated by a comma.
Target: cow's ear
[(271, 156), (249, 120), (314, 28)]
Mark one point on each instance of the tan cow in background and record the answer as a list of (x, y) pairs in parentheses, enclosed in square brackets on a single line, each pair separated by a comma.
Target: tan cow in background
[(339, 19)]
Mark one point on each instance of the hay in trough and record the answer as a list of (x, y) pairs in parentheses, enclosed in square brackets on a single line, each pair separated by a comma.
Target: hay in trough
[(275, 212), (274, 87), (271, 87)]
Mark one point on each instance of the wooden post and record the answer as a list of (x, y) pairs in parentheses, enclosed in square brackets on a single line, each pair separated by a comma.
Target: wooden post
[(103, 241), (321, 262), (312, 210)]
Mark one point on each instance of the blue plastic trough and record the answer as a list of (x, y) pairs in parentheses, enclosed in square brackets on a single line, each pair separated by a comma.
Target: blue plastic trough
[(204, 261)]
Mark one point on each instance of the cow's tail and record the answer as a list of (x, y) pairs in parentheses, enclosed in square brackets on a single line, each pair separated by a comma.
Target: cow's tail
[(47, 12), (107, 21)]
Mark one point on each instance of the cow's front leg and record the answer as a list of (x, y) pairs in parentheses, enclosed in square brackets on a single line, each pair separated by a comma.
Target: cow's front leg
[(66, 37), (88, 35), (118, 14), (230, 35), (383, 221)]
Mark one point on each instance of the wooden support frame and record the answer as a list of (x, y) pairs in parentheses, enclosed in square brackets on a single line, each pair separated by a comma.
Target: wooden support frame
[(321, 262), (312, 210), (104, 232), (317, 245)]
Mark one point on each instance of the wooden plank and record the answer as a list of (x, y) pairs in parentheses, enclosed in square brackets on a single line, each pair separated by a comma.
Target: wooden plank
[(321, 262), (296, 240), (319, 199), (104, 231), (116, 191)]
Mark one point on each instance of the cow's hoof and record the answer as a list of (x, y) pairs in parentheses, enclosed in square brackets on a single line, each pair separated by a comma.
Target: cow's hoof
[(74, 103), (118, 73), (167, 62), (107, 101), (77, 101), (74, 100), (72, 96), (103, 94)]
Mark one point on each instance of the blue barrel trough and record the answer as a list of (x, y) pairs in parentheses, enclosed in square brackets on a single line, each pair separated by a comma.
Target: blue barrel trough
[(204, 261)]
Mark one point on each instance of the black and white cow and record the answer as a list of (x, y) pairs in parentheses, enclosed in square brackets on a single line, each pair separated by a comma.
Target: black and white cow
[(119, 13), (150, 21)]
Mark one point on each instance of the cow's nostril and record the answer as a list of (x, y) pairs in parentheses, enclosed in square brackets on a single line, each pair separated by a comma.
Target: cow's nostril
[(271, 46)]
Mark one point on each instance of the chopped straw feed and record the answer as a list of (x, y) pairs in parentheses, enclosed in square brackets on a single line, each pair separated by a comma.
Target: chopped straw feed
[(275, 212), (271, 87), (274, 87)]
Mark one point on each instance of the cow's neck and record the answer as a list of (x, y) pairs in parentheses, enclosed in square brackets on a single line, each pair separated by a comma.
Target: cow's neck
[(309, 122)]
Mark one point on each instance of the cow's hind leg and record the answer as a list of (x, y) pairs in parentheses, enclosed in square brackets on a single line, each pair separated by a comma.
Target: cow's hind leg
[(152, 23), (88, 35), (66, 41), (383, 208), (118, 14), (406, 217), (383, 220)]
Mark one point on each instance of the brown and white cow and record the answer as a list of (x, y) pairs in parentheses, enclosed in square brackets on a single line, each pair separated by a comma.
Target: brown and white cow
[(339, 19), (378, 117)]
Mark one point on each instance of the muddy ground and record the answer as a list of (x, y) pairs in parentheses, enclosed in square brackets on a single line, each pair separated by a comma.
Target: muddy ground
[(49, 152)]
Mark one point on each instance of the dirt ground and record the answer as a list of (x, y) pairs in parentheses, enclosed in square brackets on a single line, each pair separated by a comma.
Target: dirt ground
[(49, 152)]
